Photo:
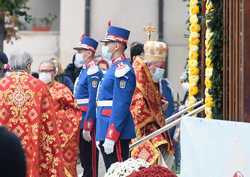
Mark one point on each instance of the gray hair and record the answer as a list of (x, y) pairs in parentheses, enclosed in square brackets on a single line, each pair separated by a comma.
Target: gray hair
[(49, 62), (19, 60)]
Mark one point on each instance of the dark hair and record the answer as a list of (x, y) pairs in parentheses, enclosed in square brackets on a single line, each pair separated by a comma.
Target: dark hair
[(35, 75), (3, 58), (12, 158), (136, 49), (102, 61)]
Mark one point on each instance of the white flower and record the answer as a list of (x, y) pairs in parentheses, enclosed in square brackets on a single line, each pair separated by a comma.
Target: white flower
[(122, 169), (209, 72), (207, 92), (194, 35), (194, 48), (209, 33), (194, 19)]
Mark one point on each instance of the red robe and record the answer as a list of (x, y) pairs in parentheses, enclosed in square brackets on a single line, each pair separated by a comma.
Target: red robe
[(68, 117), (147, 114), (26, 109)]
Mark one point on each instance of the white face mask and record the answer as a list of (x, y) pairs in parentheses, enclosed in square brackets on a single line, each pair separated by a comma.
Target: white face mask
[(158, 74), (104, 71), (106, 53), (45, 77), (79, 61), (185, 86)]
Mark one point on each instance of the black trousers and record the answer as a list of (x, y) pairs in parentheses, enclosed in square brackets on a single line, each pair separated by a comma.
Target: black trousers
[(121, 149), (86, 157)]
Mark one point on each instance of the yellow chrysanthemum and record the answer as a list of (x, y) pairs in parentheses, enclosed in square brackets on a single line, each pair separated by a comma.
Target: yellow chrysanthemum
[(194, 41), (208, 83), (193, 90), (192, 63), (208, 112), (208, 52), (209, 6), (195, 9), (209, 33), (193, 2), (208, 44), (195, 27), (194, 71), (209, 101), (209, 62), (193, 48), (193, 80), (193, 55), (191, 100), (207, 92), (193, 19)]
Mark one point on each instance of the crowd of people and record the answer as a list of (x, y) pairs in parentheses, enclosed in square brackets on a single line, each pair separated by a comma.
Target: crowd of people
[(98, 104)]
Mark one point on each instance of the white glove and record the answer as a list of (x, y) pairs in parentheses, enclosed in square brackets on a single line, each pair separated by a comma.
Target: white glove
[(86, 135), (97, 143), (177, 134), (108, 146)]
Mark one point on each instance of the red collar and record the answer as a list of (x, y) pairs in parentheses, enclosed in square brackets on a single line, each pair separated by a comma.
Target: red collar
[(90, 63), (121, 58)]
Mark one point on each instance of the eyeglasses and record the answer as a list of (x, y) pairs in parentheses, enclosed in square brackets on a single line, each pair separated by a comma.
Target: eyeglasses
[(47, 71)]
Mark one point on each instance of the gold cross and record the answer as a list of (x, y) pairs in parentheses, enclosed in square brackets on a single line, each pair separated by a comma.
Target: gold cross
[(149, 30)]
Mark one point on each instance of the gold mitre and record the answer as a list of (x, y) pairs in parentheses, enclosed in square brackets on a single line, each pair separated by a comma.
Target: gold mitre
[(154, 50)]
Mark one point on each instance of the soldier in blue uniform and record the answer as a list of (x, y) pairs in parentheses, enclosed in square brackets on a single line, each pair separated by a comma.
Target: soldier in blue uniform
[(114, 123), (85, 94)]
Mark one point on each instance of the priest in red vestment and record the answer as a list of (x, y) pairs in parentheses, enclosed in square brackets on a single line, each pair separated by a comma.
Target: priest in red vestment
[(26, 109), (68, 116), (147, 105)]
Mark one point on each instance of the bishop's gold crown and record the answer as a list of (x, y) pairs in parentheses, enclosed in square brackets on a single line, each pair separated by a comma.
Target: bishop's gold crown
[(155, 51)]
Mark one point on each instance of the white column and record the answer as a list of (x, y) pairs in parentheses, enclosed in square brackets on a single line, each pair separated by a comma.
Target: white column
[(71, 27), (176, 15)]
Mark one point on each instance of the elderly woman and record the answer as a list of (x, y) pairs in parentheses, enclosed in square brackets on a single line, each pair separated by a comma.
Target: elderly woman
[(27, 110), (67, 116)]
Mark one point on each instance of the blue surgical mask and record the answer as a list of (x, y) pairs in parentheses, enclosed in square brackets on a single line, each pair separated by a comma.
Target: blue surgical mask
[(106, 53), (158, 74)]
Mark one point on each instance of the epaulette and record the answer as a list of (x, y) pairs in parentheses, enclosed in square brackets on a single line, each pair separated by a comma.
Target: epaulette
[(121, 70), (92, 70)]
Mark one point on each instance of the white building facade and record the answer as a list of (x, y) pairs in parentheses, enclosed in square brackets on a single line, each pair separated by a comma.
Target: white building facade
[(131, 14)]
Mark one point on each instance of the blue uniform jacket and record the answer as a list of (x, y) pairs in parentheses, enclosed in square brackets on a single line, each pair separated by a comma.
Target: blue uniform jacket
[(85, 94), (114, 120)]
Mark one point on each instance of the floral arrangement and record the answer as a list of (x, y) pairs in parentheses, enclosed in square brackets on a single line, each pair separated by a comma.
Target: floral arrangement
[(214, 50), (153, 171), (194, 42), (122, 169)]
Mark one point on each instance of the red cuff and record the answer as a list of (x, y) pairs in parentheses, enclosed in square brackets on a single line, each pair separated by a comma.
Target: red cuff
[(84, 108), (107, 112), (88, 125), (112, 133)]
